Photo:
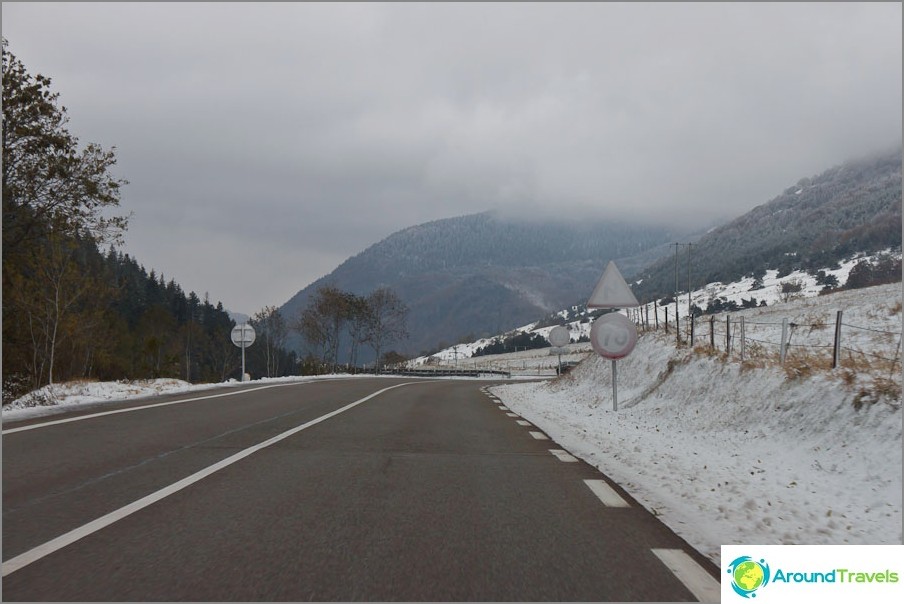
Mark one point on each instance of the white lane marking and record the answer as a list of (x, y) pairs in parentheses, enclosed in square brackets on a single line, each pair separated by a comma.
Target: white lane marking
[(522, 422), (563, 455), (503, 408), (513, 415), (102, 413), (22, 560), (606, 494), (539, 435), (698, 581)]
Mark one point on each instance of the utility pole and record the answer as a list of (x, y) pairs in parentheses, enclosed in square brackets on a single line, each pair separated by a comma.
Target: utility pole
[(677, 328), (690, 312), (689, 300)]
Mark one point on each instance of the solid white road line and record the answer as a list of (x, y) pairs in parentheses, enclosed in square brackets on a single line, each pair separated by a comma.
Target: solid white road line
[(698, 581), (563, 455), (522, 422), (606, 494), (102, 413), (539, 435), (22, 560)]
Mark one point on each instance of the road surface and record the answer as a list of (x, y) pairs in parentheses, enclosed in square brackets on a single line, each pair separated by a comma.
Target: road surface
[(342, 490)]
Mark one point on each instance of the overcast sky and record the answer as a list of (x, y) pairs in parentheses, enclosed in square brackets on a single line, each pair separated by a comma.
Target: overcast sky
[(266, 143)]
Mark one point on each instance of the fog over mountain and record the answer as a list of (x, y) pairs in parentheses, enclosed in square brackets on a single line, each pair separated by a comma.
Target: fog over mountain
[(813, 224), (482, 273)]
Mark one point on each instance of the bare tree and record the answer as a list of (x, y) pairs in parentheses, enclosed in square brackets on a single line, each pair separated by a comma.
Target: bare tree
[(322, 321), (358, 320), (387, 320), (272, 331)]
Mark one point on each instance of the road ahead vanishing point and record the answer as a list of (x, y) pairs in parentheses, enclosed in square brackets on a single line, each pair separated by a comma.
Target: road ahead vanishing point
[(358, 489)]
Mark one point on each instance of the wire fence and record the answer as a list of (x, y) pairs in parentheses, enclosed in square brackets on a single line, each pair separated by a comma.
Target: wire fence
[(823, 342)]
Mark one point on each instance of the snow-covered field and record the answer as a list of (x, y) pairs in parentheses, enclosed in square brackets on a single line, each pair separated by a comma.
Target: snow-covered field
[(727, 453)]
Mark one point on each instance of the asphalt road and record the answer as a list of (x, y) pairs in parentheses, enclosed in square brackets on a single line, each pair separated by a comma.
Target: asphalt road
[(428, 491)]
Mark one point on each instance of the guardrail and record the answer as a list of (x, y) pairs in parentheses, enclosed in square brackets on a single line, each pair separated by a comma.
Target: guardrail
[(446, 372)]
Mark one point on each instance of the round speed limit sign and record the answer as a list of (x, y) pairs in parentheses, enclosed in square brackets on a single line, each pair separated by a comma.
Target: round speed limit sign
[(613, 336)]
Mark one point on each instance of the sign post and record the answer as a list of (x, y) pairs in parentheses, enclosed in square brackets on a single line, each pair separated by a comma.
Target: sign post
[(559, 337), (243, 336), (613, 336)]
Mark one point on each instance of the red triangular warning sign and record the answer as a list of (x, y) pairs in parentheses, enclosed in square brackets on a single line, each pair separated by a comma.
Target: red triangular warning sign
[(612, 291)]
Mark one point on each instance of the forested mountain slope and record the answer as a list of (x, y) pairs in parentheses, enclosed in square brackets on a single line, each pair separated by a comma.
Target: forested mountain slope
[(482, 274), (854, 207)]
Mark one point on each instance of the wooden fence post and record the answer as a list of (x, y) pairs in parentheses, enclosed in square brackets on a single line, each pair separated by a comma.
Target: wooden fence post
[(712, 331), (743, 335), (667, 319), (784, 348), (728, 334)]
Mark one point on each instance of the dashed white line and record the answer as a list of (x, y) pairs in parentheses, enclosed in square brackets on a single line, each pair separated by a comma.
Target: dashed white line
[(563, 455), (522, 422), (539, 435), (503, 408), (606, 494), (24, 559), (513, 414), (695, 578)]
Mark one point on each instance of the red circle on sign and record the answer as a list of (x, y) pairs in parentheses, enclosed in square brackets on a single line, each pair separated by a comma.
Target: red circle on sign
[(613, 336)]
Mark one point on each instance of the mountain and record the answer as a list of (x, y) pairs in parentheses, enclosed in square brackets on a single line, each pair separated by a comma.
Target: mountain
[(816, 223), (482, 274), (474, 276)]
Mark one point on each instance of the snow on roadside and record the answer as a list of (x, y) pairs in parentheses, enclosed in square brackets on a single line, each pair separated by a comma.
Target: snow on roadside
[(57, 398), (730, 455)]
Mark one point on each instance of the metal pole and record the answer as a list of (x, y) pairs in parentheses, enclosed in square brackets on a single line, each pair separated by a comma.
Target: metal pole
[(243, 352), (836, 354), (742, 339), (614, 386)]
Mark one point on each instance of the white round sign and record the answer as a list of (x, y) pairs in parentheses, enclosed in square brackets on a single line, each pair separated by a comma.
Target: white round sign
[(243, 335), (613, 336), (559, 336)]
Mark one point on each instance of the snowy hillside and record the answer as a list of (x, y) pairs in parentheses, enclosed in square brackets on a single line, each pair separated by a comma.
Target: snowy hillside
[(578, 320), (756, 452)]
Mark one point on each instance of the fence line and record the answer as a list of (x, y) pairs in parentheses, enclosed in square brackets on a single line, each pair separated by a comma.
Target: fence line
[(894, 333), (733, 333)]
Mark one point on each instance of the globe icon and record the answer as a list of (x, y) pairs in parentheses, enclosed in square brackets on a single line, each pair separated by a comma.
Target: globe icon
[(748, 575)]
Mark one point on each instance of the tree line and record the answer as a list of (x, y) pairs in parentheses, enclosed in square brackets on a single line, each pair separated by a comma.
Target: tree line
[(73, 306), (76, 307)]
